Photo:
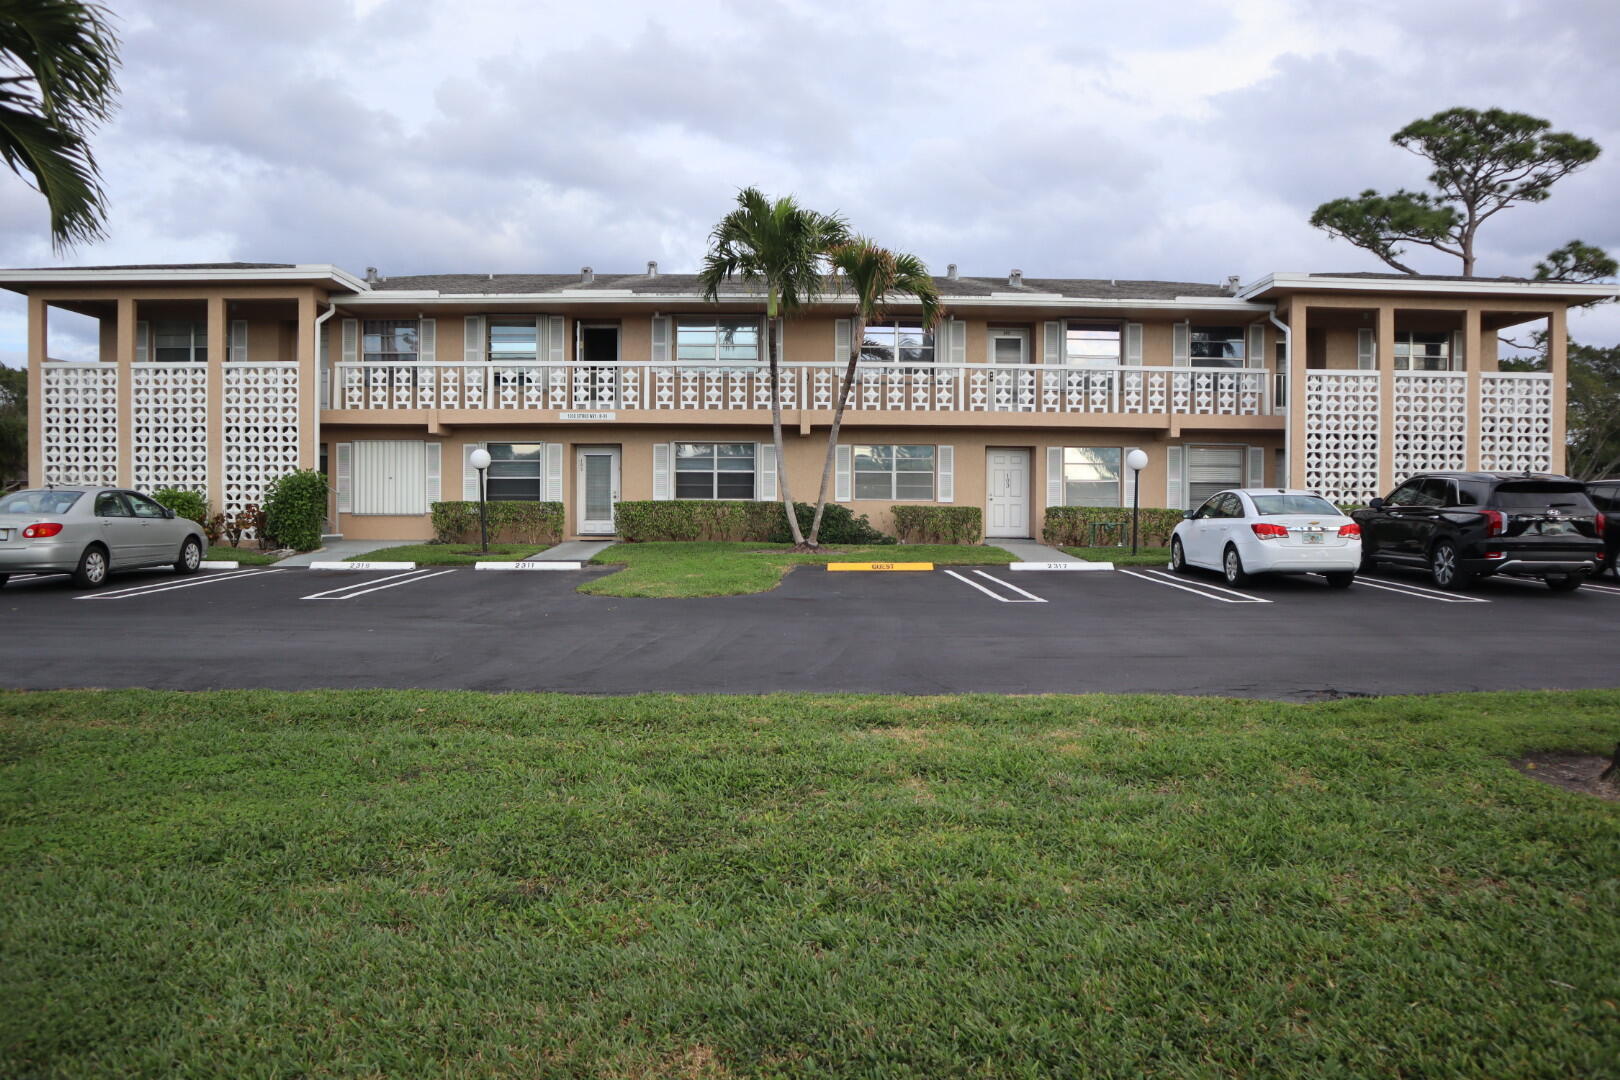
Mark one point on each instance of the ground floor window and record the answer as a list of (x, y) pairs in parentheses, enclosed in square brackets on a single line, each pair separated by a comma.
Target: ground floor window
[(1211, 469), (1091, 476), (515, 472), (714, 470), (894, 472)]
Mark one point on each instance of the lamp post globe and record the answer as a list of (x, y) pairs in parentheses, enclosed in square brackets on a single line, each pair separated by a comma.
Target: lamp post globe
[(479, 459), (1136, 461)]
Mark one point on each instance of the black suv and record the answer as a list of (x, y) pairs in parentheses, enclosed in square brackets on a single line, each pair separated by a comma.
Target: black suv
[(1462, 525), (1605, 495)]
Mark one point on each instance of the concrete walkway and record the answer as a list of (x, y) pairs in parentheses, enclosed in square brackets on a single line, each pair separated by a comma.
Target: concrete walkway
[(572, 551), (338, 550), (1030, 551)]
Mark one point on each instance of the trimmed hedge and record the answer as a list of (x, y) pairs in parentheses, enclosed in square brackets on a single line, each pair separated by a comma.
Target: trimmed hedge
[(736, 519), (294, 508), (839, 525), (938, 524), (509, 522), (1070, 526)]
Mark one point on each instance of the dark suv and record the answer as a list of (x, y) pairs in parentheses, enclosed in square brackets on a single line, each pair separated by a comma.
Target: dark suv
[(1461, 525), (1605, 495)]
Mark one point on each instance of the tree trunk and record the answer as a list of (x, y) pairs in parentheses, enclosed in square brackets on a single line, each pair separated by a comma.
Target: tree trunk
[(857, 331), (773, 345)]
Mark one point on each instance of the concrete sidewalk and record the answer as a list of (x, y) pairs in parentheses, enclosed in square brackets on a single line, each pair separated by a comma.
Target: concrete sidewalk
[(338, 550), (1030, 551), (572, 551)]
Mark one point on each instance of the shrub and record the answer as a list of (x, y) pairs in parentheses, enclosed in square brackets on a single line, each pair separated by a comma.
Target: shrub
[(509, 522), (186, 504), (1071, 526), (294, 508), (698, 519), (839, 525), (938, 524)]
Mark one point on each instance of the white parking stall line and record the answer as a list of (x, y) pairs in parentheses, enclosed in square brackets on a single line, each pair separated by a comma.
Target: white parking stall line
[(1608, 589), (988, 592), (355, 589), (169, 586), (1214, 591), (1033, 599), (1419, 591)]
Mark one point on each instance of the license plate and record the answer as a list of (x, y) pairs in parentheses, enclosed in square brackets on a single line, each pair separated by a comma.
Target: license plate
[(1311, 538), (5, 534)]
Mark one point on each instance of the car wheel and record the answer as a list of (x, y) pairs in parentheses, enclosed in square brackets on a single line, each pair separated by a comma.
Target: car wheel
[(1566, 583), (1232, 565), (1368, 563), (1446, 568), (92, 569), (190, 557), (1178, 557), (1341, 579)]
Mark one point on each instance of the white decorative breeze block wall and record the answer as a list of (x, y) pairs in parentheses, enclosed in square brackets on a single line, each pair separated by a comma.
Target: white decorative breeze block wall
[(1515, 422), (1430, 425), (169, 413), (80, 414), (261, 429), (1341, 435)]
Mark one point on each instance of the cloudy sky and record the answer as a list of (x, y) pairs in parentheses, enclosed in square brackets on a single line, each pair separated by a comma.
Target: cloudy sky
[(1148, 139)]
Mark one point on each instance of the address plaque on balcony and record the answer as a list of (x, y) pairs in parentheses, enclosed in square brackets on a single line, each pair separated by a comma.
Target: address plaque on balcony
[(592, 416)]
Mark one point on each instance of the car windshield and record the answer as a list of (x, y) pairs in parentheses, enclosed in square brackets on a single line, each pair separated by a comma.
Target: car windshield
[(1270, 505), (1533, 496), (39, 502)]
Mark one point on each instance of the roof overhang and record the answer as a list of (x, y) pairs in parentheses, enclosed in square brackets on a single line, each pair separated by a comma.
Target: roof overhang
[(1277, 285), (325, 274), (387, 298)]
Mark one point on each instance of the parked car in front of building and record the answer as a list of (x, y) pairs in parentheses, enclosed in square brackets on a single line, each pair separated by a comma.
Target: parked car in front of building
[(88, 532), (1246, 531), (1460, 526), (1605, 495)]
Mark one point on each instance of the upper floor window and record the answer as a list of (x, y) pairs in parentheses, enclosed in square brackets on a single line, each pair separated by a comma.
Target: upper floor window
[(724, 340), (894, 472), (390, 341), (511, 340), (1091, 344), (1091, 476), (1217, 347), (901, 341), (179, 342), (1422, 352), (714, 470)]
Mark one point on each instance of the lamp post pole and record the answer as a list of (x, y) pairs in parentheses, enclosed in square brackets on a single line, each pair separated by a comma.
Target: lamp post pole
[(480, 461), (1136, 460)]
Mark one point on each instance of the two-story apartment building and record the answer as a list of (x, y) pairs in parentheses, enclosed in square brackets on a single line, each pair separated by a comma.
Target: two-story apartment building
[(590, 388)]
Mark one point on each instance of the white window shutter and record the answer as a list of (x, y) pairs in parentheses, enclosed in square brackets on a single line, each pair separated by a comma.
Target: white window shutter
[(143, 342), (663, 458), (781, 341), (1054, 476), (557, 344), (958, 339), (1052, 353), (1174, 493), (945, 462), (351, 340), (1255, 473), (1257, 346), (1181, 344), (843, 474), (432, 468), (427, 340), (660, 339), (765, 489), (472, 339), (1366, 350), (239, 352), (1133, 343), (1128, 477), (554, 472), (345, 477), (469, 475), (1457, 350), (842, 329)]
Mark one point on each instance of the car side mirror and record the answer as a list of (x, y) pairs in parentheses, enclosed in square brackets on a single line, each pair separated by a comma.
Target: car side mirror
[(168, 513), (1186, 515), (1375, 504)]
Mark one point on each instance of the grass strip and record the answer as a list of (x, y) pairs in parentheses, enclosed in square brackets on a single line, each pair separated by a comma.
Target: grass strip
[(717, 568), (1121, 556)]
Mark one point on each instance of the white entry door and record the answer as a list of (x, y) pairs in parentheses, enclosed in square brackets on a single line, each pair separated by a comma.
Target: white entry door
[(1007, 486), (597, 487), (1013, 384)]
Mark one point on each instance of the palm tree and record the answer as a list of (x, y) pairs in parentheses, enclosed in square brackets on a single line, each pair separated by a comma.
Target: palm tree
[(57, 63), (872, 274), (782, 247)]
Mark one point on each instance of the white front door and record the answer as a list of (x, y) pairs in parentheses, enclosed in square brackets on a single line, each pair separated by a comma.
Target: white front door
[(1007, 487), (1013, 388), (597, 487)]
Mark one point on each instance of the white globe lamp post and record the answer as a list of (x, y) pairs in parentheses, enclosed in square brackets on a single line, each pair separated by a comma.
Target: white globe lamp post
[(1136, 461), (480, 461)]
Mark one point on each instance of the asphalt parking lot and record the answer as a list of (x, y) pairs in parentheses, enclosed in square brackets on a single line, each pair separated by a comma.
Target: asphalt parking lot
[(958, 629)]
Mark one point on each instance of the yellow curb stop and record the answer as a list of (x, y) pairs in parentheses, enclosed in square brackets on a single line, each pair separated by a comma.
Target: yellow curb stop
[(880, 566)]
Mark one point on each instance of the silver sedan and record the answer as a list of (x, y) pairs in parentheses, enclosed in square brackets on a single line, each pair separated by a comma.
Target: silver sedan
[(90, 531)]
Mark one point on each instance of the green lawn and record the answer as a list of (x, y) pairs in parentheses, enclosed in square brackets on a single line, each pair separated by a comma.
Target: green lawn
[(715, 568), (1121, 556), (428, 884), (243, 555), (450, 554)]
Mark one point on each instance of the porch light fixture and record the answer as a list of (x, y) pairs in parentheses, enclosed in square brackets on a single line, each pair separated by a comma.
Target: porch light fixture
[(1136, 461), (480, 461)]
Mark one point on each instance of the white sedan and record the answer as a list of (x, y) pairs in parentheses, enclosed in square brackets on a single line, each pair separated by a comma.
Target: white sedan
[(1248, 531)]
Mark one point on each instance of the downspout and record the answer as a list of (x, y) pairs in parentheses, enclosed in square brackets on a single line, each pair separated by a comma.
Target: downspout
[(1288, 366), (323, 379)]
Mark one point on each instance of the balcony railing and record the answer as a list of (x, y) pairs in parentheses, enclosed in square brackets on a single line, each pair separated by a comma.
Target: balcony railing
[(992, 388)]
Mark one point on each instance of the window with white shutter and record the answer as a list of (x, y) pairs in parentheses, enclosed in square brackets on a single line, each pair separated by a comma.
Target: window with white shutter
[(351, 340), (1366, 350), (239, 341), (1133, 343), (945, 456), (472, 339), (766, 456), (1175, 493), (1181, 344), (1054, 476), (344, 481), (143, 342), (428, 338), (433, 460), (843, 474), (554, 472), (1257, 345), (1213, 468), (660, 339), (469, 475), (842, 329), (663, 469)]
